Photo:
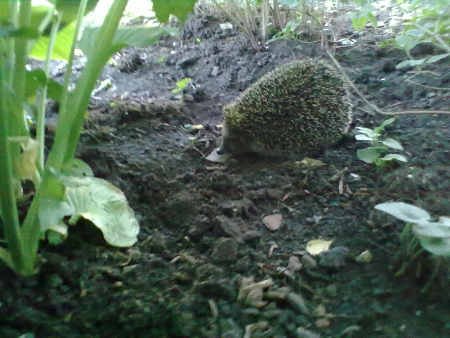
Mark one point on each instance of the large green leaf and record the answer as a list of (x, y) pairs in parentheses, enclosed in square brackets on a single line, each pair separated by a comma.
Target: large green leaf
[(126, 37), (62, 48), (180, 8), (69, 8), (96, 200)]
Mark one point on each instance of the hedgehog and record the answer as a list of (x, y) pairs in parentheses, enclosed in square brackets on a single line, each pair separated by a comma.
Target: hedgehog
[(296, 109)]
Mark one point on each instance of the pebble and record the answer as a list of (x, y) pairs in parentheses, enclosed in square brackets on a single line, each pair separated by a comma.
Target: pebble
[(334, 258), (215, 71), (225, 250), (304, 333), (308, 262), (297, 302)]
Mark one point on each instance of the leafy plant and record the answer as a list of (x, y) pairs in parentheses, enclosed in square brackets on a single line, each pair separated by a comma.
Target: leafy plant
[(181, 85), (429, 22), (420, 233), (378, 151), (434, 236), (63, 187)]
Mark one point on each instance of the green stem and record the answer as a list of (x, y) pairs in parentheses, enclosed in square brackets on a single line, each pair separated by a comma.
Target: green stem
[(71, 120), (97, 56), (56, 157), (11, 225), (13, 11), (18, 126), (42, 100)]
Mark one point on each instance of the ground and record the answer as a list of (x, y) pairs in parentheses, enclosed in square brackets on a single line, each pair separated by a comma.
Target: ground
[(202, 232)]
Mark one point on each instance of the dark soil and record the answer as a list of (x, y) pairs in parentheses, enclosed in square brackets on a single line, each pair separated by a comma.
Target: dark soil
[(201, 222)]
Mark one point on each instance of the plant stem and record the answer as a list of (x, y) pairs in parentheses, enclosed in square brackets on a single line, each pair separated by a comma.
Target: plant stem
[(98, 55), (8, 207), (42, 100), (17, 124), (56, 157)]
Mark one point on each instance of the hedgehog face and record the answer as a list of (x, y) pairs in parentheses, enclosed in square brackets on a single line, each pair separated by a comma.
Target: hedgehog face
[(298, 107)]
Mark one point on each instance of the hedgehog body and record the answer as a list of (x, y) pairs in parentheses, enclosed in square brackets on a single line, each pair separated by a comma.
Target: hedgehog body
[(298, 108)]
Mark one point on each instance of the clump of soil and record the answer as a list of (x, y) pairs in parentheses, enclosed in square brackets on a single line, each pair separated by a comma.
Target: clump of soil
[(205, 264)]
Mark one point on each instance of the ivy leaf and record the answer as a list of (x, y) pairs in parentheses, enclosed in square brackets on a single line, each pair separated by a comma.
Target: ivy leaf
[(403, 211), (180, 8), (391, 143), (370, 154), (397, 157)]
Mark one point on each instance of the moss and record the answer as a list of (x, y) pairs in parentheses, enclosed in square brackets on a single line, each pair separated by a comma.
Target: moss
[(297, 108)]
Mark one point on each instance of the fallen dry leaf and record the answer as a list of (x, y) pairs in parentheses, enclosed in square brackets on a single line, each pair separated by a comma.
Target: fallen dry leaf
[(273, 222), (317, 246)]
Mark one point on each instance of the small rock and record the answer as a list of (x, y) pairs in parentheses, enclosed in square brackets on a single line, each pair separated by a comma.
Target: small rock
[(207, 270), (294, 264), (244, 208), (334, 258), (273, 222), (188, 61), (215, 71), (304, 333), (188, 98), (240, 231), (225, 250), (276, 194), (331, 290), (322, 323), (309, 262), (297, 302), (201, 226), (215, 289)]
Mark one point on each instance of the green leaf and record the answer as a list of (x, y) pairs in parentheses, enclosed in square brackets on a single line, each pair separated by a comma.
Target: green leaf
[(11, 32), (370, 154), (6, 258), (384, 124), (404, 211), (95, 200), (127, 37), (391, 143), (397, 157), (63, 44), (36, 79), (410, 63), (180, 8), (78, 168), (436, 58), (432, 229), (181, 85), (361, 137), (437, 246), (69, 9), (368, 132)]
